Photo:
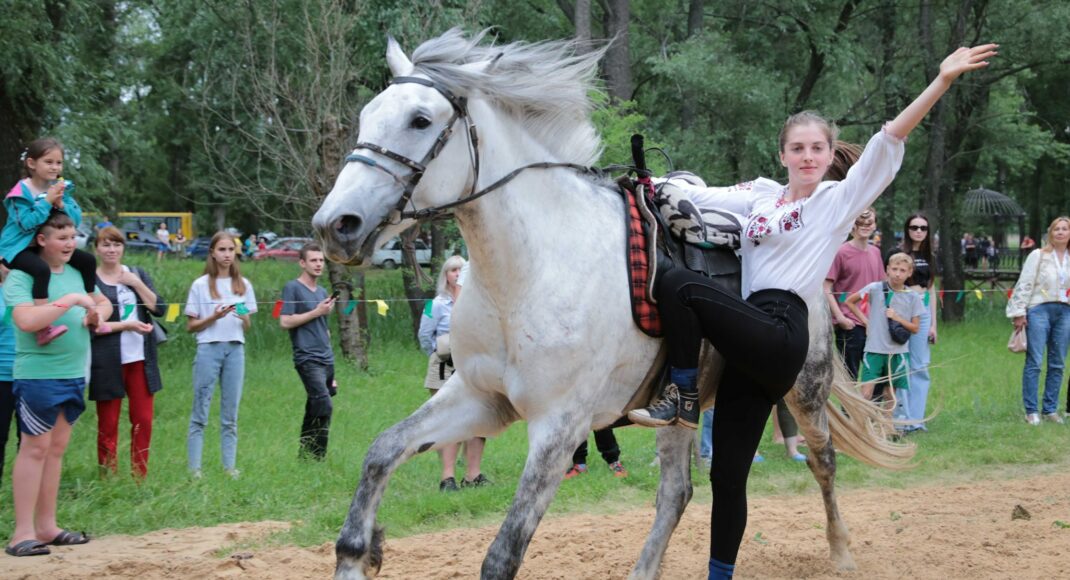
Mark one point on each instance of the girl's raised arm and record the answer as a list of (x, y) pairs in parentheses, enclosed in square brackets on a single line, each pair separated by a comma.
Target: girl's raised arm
[(960, 61)]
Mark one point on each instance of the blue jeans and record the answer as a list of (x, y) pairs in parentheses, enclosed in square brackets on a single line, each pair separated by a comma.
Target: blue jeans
[(224, 361), (1047, 324), (705, 449), (918, 395)]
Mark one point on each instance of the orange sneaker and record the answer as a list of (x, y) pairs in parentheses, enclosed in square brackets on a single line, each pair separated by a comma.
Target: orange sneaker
[(618, 469), (577, 469)]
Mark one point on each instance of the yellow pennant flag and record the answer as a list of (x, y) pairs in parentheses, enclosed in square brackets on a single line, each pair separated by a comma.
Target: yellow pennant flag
[(977, 293), (172, 313), (381, 307)]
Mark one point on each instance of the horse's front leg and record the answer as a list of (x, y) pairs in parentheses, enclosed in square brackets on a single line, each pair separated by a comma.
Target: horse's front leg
[(456, 413), (674, 491), (807, 401), (551, 442)]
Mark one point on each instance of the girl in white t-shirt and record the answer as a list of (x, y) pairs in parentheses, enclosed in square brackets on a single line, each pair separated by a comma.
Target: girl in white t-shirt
[(218, 308), (790, 238)]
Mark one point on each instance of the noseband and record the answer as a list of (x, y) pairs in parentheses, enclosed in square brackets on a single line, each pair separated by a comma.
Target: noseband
[(410, 181)]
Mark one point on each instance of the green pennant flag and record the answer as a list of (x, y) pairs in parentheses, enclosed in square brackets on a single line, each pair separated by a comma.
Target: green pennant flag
[(843, 298), (350, 307), (241, 309), (6, 319), (427, 308), (958, 297), (128, 309)]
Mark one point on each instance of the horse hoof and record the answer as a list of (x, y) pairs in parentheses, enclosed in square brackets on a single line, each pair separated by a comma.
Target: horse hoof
[(844, 562)]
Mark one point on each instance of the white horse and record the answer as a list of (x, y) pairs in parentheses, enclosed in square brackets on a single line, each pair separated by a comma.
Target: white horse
[(543, 330)]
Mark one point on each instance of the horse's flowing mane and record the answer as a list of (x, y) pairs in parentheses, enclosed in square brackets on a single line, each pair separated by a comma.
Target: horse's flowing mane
[(544, 85)]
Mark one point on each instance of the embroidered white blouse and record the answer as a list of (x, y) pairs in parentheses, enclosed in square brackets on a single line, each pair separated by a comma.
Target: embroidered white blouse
[(791, 245), (1044, 278)]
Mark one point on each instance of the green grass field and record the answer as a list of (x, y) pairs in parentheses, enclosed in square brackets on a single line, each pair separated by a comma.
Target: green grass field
[(977, 433)]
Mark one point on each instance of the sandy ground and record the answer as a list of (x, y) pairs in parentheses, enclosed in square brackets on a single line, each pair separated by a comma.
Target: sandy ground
[(953, 531)]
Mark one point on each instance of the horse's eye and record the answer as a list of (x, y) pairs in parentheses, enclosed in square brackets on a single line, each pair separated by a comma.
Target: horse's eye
[(421, 122)]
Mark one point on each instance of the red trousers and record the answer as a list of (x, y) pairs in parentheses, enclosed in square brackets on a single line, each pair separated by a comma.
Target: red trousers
[(140, 408)]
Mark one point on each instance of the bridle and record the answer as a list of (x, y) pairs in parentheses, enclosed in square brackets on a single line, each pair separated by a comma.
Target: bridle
[(410, 181)]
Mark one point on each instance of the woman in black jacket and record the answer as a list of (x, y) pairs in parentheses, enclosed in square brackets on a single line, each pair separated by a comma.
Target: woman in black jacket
[(124, 355)]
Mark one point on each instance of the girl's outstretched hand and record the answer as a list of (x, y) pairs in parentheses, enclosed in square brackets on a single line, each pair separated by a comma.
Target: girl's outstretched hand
[(966, 59)]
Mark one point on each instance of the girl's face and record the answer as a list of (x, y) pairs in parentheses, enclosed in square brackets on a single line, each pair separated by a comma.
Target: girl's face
[(806, 154), (48, 166), (1060, 233), (223, 253), (918, 229), (452, 275), (110, 252)]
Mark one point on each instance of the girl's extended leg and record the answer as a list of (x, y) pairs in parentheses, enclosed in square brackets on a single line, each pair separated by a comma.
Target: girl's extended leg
[(742, 412), (231, 380)]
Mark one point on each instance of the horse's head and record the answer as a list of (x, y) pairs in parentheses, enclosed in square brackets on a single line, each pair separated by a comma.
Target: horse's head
[(525, 95), (405, 160)]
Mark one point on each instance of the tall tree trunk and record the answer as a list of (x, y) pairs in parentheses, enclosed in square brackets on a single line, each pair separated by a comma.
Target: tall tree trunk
[(940, 187), (582, 19), (352, 327), (694, 27), (617, 64), (414, 279), (886, 203)]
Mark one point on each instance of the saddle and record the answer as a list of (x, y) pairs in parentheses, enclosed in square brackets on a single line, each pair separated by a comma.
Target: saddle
[(665, 230)]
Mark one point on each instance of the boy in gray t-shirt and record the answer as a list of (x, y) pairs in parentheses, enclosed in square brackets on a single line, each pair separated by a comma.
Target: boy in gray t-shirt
[(886, 361), (305, 307)]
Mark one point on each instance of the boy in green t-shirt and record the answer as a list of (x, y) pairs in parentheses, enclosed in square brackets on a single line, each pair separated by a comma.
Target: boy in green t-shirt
[(48, 385), (886, 363)]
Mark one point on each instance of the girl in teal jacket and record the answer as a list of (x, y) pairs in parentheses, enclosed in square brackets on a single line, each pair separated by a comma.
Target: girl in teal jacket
[(28, 205)]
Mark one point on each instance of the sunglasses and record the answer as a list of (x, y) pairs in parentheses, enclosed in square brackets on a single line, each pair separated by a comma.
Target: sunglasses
[(919, 228)]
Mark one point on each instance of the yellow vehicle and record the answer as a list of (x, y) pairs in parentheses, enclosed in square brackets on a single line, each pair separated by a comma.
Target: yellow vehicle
[(148, 221)]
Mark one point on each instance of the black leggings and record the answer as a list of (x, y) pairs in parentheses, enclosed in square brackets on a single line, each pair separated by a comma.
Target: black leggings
[(30, 262), (764, 340), (606, 442)]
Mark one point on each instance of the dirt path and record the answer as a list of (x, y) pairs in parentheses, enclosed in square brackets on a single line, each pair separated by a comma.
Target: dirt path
[(954, 531)]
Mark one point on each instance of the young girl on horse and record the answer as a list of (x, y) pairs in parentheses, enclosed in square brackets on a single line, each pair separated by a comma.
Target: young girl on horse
[(791, 235), (28, 206)]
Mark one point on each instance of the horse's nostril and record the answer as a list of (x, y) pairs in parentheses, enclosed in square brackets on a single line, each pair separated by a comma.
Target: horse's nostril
[(348, 226)]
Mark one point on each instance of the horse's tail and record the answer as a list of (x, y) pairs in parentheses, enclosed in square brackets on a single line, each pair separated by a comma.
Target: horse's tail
[(859, 427)]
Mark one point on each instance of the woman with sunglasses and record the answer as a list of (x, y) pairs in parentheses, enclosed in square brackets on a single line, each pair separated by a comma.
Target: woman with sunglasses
[(917, 243)]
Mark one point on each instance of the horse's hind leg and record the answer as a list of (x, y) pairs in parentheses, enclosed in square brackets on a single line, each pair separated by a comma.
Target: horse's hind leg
[(807, 403), (551, 441), (456, 413), (674, 491)]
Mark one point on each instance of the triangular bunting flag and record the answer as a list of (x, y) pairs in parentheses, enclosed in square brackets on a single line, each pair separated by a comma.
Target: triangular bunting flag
[(978, 294), (350, 307), (382, 307), (128, 309), (958, 297), (241, 309), (172, 313), (277, 310)]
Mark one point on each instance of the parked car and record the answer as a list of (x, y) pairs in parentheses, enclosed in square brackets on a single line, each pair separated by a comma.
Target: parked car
[(389, 256), (198, 248), (282, 249), (82, 235), (138, 241)]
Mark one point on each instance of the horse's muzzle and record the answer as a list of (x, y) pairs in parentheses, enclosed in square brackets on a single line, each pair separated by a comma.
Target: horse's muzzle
[(344, 238)]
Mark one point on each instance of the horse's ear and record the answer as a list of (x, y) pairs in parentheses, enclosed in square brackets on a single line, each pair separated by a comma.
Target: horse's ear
[(399, 64)]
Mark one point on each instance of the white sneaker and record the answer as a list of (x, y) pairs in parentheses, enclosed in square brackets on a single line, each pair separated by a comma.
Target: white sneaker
[(1053, 418), (233, 473), (1032, 419)]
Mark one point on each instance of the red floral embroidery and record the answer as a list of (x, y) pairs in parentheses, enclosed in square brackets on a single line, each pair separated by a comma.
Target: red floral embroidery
[(791, 220)]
